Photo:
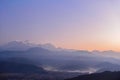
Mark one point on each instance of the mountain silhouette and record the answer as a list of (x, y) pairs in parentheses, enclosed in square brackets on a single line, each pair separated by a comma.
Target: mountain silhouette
[(14, 67), (107, 75)]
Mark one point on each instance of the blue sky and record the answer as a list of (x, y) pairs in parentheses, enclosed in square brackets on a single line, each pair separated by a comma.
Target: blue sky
[(76, 24)]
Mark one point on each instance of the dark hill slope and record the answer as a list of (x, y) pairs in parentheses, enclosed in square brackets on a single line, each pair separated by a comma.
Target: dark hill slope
[(13, 67), (99, 76)]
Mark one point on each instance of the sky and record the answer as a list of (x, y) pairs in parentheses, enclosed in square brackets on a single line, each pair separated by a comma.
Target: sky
[(72, 24)]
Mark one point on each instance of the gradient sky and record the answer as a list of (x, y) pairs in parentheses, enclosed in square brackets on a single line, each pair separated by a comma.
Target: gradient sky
[(76, 24)]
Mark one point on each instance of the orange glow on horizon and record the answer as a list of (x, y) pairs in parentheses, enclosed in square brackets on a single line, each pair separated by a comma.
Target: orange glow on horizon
[(91, 47)]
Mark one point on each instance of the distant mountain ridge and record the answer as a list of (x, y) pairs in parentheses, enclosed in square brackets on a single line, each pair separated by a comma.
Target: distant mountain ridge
[(62, 60), (25, 45), (65, 61)]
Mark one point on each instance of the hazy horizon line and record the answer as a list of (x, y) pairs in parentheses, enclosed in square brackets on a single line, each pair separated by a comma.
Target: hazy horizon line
[(49, 43)]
